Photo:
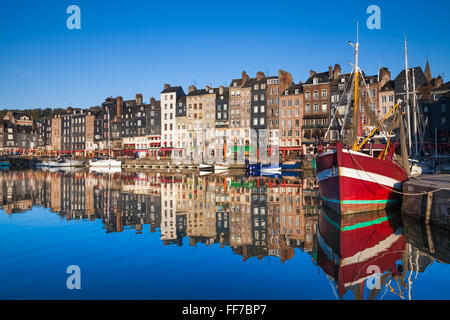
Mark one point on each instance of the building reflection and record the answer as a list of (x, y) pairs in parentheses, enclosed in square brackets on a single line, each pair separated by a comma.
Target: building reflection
[(255, 216)]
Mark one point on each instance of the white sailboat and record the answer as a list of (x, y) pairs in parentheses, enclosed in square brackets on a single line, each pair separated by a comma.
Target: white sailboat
[(418, 165)]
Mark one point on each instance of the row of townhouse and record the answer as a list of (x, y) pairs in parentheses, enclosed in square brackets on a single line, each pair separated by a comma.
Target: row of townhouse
[(260, 116)]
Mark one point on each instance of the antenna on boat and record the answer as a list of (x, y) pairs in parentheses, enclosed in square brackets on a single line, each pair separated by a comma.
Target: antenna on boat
[(408, 116)]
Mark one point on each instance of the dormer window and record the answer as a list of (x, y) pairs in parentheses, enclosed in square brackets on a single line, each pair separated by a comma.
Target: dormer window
[(235, 84), (256, 87), (315, 81), (296, 91), (286, 92), (342, 79)]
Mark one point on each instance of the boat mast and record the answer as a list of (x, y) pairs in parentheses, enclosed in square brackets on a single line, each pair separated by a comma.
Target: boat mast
[(356, 80), (408, 116), (414, 109)]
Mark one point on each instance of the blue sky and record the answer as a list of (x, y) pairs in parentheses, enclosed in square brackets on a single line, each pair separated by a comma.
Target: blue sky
[(129, 47)]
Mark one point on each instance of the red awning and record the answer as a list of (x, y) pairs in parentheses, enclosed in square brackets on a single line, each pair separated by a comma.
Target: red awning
[(291, 148)]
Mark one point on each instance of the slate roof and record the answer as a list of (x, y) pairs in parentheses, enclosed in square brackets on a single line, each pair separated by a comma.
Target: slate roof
[(402, 74), (323, 77), (389, 86), (291, 89), (171, 89), (443, 87)]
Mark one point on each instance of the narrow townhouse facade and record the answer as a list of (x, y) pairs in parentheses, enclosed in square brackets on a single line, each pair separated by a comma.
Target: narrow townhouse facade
[(291, 122), (386, 99), (275, 85), (317, 109), (169, 97), (222, 122), (56, 134), (154, 127), (240, 114), (135, 129), (195, 123), (73, 124), (90, 145), (182, 134)]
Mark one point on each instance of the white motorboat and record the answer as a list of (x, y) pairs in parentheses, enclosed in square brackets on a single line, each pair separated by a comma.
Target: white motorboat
[(420, 167), (105, 163), (203, 167), (70, 163)]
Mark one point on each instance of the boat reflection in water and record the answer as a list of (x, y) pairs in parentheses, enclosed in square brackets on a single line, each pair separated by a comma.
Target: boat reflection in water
[(367, 254)]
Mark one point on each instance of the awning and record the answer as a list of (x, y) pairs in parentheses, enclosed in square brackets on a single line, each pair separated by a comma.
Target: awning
[(290, 148)]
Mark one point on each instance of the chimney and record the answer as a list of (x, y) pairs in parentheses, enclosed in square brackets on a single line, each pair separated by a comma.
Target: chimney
[(311, 73), (260, 75), (166, 86), (330, 72), (384, 76), (285, 79), (438, 81), (191, 88), (244, 77), (207, 88), (152, 100), (221, 90), (337, 71), (138, 98)]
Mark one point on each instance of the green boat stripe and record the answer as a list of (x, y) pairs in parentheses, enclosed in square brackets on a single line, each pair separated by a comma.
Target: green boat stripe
[(368, 223), (358, 225), (360, 201)]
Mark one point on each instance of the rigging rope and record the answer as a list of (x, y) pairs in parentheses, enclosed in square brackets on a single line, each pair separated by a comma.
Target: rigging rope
[(393, 190)]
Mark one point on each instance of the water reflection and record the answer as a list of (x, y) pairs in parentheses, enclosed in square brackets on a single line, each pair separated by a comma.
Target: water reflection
[(255, 216)]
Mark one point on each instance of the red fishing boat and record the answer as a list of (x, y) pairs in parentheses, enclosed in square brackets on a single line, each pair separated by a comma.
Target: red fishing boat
[(352, 248), (352, 181)]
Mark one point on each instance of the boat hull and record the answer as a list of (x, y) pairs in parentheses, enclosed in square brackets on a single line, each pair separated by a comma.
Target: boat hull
[(350, 246), (353, 182)]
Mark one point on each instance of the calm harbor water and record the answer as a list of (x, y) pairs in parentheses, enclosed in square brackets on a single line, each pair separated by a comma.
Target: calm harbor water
[(180, 236)]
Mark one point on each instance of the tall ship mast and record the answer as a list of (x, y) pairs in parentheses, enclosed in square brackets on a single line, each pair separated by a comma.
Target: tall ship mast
[(352, 181)]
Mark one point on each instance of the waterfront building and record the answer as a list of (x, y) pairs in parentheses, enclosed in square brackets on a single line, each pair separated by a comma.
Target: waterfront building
[(291, 122), (182, 134), (386, 93), (240, 105), (90, 143), (437, 110), (169, 97), (275, 85), (73, 134), (316, 116), (222, 121), (196, 122), (45, 134), (56, 134)]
